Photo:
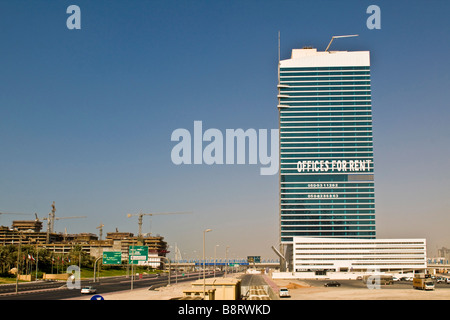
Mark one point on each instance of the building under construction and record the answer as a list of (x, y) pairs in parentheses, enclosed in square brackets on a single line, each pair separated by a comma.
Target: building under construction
[(29, 232)]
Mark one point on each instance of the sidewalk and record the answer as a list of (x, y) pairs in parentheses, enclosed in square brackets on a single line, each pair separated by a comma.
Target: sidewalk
[(275, 288)]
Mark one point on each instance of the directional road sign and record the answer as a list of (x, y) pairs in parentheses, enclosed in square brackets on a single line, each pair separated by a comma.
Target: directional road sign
[(112, 257), (137, 253)]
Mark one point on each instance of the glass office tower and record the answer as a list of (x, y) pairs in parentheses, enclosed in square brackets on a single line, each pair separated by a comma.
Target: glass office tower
[(326, 149)]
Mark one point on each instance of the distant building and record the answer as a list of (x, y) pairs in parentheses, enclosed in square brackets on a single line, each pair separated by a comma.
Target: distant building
[(27, 225), (119, 235), (29, 233), (81, 237), (444, 253), (11, 236)]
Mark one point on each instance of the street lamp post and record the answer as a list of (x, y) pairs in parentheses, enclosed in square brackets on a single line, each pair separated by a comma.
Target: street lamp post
[(215, 247), (18, 262), (226, 260), (95, 263), (170, 267), (204, 284)]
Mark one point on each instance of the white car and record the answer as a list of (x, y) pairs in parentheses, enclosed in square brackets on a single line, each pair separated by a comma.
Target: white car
[(88, 290), (284, 292), (440, 279)]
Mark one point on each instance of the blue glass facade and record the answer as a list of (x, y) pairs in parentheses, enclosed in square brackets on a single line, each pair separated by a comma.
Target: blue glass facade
[(326, 152)]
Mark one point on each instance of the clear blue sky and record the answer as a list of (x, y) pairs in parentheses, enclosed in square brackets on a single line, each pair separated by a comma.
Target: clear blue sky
[(86, 115)]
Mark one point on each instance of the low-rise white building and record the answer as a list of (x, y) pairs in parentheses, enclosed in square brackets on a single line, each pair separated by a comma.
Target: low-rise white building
[(344, 255), (318, 257)]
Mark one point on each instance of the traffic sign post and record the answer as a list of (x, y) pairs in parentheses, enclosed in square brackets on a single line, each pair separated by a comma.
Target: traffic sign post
[(136, 254)]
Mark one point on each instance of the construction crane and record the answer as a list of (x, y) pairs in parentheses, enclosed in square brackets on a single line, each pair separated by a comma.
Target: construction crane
[(52, 217), (141, 215), (51, 226), (14, 213), (100, 227)]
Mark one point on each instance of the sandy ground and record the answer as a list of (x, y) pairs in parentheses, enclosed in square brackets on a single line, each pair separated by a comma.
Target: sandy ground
[(299, 290)]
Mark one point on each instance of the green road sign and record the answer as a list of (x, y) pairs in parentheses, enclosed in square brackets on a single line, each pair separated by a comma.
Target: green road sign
[(112, 257), (137, 253), (254, 259)]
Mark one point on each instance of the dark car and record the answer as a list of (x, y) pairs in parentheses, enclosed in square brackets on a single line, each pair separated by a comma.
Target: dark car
[(332, 284)]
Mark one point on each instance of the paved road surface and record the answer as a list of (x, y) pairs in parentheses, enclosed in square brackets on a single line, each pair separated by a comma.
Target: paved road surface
[(59, 290)]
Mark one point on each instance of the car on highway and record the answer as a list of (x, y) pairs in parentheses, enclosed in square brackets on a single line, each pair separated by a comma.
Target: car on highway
[(284, 293), (88, 289), (406, 279), (332, 284)]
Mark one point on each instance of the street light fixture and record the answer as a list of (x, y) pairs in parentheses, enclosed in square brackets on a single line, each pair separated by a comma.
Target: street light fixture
[(204, 284)]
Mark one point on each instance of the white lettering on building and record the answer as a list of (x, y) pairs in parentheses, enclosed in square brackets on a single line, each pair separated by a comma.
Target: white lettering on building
[(334, 166)]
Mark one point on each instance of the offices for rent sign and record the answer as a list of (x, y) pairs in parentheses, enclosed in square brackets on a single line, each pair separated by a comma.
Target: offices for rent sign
[(334, 166)]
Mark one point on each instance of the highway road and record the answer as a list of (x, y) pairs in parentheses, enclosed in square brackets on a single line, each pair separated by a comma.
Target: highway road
[(250, 280), (42, 290), (254, 287)]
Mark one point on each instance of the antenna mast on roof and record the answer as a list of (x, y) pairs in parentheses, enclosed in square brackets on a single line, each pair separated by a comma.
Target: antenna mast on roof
[(337, 37), (279, 56), (278, 46)]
